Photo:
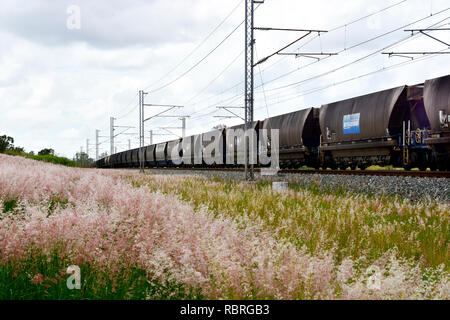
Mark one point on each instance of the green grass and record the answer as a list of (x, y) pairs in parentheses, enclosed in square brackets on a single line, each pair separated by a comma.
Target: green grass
[(9, 205), (16, 283)]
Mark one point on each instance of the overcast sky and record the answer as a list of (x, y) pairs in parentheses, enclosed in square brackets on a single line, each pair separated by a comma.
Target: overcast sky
[(66, 67)]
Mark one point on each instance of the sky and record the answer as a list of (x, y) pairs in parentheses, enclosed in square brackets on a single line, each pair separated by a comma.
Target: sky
[(66, 67)]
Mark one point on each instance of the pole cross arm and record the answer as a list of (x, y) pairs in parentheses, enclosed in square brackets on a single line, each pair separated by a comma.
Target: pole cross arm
[(234, 114), (391, 54), (310, 55), (423, 31), (289, 29), (162, 105), (170, 128), (225, 117), (170, 132), (285, 47), (123, 132), (159, 114), (434, 38), (163, 116)]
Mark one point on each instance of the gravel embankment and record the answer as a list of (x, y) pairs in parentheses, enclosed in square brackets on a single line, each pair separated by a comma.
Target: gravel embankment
[(413, 188)]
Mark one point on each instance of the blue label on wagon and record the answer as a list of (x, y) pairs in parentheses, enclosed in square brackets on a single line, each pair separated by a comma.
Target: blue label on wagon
[(351, 123)]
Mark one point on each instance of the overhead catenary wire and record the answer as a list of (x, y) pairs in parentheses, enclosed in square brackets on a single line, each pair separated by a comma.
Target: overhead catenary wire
[(372, 54), (262, 85), (199, 45), (307, 92), (397, 43), (183, 60), (352, 47), (332, 30), (345, 25), (314, 90), (383, 69), (197, 63), (344, 66), (216, 78)]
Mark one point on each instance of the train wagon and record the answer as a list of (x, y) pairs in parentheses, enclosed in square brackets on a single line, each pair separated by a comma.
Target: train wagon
[(150, 156), (234, 138), (135, 158), (437, 105), (212, 156), (406, 126), (192, 151), (370, 129), (299, 137), (174, 153), (160, 154)]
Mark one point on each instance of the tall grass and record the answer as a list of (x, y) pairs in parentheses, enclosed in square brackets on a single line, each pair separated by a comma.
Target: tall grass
[(353, 225), (137, 236)]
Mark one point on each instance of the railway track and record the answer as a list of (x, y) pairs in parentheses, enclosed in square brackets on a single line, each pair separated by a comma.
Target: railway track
[(392, 173)]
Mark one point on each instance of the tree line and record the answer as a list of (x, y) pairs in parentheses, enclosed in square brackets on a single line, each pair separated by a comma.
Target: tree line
[(47, 154)]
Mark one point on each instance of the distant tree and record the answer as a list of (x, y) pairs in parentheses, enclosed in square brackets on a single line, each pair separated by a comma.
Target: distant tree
[(45, 152), (31, 153), (17, 149), (6, 142), (103, 155), (83, 160)]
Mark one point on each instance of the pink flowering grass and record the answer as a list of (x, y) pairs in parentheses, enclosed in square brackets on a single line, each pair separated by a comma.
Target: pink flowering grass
[(136, 242)]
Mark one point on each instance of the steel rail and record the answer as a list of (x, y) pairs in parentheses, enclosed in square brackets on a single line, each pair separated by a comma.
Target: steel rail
[(392, 173)]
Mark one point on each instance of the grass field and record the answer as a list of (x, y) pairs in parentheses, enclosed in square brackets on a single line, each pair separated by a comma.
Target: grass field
[(189, 237)]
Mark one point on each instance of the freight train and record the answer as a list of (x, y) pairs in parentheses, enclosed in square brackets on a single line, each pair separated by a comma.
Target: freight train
[(406, 127)]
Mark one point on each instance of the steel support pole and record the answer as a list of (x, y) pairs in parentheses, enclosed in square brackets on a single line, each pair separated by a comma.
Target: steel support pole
[(249, 81), (87, 147), (111, 135), (96, 144), (141, 130)]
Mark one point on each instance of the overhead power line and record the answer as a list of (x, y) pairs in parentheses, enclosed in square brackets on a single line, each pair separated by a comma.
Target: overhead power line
[(383, 69), (184, 59), (332, 30), (345, 25), (198, 62), (346, 65), (353, 62), (199, 45)]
